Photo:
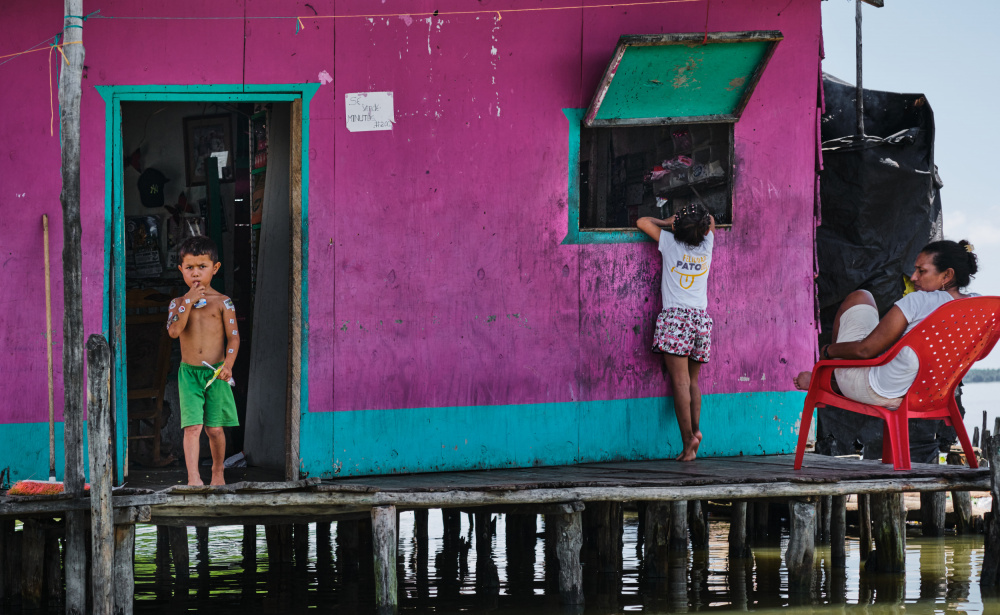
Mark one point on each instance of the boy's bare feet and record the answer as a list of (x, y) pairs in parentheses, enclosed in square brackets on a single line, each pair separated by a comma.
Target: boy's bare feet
[(802, 381), (218, 478), (195, 481)]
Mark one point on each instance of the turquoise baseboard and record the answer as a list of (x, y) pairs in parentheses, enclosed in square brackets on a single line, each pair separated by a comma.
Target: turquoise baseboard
[(25, 451)]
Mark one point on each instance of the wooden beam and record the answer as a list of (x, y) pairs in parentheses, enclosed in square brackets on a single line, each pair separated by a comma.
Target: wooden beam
[(799, 556), (124, 569), (294, 296), (384, 550), (569, 541), (100, 442)]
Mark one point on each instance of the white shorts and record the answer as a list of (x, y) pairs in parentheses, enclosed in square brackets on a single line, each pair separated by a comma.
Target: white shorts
[(855, 324)]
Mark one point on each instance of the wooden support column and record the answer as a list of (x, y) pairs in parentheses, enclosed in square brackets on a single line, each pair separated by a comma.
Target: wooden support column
[(32, 564), (655, 540), (989, 580), (301, 543), (100, 443), (250, 546), (569, 541), (179, 553), (739, 546), (932, 511), (6, 540), (678, 526), (124, 569), (348, 557), (698, 525), (801, 545), (384, 550), (53, 565), (826, 519), (421, 518), (487, 574), (865, 525), (324, 548), (11, 556), (961, 502), (838, 531), (889, 533), (279, 545)]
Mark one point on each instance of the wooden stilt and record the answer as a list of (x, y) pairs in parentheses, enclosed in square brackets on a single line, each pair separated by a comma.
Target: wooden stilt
[(865, 525), (975, 437), (801, 545), (124, 569), (932, 511), (300, 532), (179, 553), (324, 548), (826, 519), (678, 526), (889, 533), (12, 563), (250, 547), (838, 531), (384, 551), (989, 580), (961, 502), (100, 440), (761, 514), (520, 539), (421, 519), (6, 540), (739, 546), (32, 563), (348, 556), (487, 575), (698, 525), (569, 541), (201, 537), (656, 540)]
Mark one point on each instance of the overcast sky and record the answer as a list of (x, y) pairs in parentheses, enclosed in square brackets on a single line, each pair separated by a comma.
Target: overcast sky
[(947, 52)]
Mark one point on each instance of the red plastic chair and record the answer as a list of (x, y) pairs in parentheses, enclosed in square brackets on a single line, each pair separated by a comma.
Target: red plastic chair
[(947, 343)]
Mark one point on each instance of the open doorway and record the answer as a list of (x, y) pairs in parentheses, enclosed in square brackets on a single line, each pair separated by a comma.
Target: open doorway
[(223, 169)]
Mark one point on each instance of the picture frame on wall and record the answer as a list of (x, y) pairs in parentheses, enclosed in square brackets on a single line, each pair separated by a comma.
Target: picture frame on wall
[(203, 136)]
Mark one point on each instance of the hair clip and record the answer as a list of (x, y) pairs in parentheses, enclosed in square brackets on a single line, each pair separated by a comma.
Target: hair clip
[(969, 248)]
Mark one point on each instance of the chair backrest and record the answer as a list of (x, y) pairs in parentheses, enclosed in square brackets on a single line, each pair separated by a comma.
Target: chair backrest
[(947, 343)]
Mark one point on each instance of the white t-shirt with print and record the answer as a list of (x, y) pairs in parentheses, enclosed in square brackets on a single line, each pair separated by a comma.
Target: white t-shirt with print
[(895, 377), (685, 272)]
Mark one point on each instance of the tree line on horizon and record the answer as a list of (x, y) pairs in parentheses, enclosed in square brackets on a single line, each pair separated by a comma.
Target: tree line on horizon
[(982, 375)]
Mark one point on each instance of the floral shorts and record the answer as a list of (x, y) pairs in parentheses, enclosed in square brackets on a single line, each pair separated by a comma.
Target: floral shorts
[(686, 332)]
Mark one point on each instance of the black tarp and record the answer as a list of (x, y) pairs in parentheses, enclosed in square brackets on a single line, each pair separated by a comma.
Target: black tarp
[(880, 204)]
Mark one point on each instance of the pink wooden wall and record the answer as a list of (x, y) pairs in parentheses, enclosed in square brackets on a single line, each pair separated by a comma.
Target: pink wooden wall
[(437, 276)]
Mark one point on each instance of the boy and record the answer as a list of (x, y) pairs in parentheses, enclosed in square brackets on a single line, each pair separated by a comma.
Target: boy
[(205, 322)]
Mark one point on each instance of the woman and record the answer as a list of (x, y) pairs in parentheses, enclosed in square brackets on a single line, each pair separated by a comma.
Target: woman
[(943, 269)]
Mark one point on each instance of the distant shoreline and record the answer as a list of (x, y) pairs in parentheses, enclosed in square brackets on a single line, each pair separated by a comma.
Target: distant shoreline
[(982, 375)]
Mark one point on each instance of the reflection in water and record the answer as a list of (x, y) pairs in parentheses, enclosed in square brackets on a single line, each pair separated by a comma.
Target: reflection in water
[(502, 563)]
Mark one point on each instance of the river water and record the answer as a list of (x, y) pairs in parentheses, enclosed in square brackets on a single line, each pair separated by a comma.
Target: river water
[(942, 577), (978, 397)]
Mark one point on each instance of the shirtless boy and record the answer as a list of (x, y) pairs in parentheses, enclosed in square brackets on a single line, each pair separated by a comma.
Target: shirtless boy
[(205, 322)]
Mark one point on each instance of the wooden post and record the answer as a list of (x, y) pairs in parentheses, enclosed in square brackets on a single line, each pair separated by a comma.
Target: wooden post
[(348, 557), (521, 538), (179, 553), (487, 575), (990, 577), (961, 502), (384, 550), (826, 519), (569, 541), (801, 544), (250, 546), (11, 556), (124, 570), (865, 523), (70, 78), (100, 443), (201, 536), (932, 511), (739, 547), (656, 540), (301, 538), (678, 526), (32, 564), (698, 525), (53, 565), (838, 531), (889, 533), (859, 90)]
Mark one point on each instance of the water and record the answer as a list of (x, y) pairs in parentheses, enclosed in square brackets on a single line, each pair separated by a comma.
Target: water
[(943, 576), (977, 397)]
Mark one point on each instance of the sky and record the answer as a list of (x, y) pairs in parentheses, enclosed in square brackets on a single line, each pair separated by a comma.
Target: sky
[(945, 51)]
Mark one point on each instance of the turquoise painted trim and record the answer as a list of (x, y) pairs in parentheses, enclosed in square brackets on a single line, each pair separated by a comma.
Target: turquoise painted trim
[(367, 442), (114, 199), (26, 451), (574, 236)]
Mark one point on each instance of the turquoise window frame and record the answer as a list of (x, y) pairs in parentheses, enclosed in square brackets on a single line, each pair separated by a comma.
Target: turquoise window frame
[(113, 307)]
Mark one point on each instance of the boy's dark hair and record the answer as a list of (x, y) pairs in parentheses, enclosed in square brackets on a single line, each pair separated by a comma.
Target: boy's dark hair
[(958, 256), (196, 246), (691, 223)]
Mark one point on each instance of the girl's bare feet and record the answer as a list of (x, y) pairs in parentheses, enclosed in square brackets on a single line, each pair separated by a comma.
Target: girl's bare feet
[(690, 452), (802, 381)]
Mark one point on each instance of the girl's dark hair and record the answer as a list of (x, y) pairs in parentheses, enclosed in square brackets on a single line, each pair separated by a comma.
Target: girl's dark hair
[(196, 246), (957, 256), (691, 223)]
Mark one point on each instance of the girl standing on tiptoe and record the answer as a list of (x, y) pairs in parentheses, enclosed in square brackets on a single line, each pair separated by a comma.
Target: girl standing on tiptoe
[(684, 328)]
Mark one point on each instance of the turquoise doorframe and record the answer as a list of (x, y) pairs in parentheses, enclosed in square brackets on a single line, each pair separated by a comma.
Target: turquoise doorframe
[(113, 293)]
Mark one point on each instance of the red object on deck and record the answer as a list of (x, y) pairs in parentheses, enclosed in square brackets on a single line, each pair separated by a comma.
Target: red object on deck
[(38, 487), (947, 343)]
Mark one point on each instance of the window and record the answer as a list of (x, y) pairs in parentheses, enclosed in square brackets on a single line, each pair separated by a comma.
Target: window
[(659, 131)]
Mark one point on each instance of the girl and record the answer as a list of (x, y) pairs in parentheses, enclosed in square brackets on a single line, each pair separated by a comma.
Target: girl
[(684, 329)]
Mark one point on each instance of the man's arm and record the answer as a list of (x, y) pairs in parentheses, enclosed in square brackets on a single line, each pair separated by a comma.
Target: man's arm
[(232, 338)]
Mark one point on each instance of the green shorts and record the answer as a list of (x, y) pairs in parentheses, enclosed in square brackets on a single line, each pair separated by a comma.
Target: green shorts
[(212, 407)]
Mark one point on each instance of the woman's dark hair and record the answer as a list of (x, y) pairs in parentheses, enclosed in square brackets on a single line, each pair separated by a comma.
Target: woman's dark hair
[(958, 256), (691, 223)]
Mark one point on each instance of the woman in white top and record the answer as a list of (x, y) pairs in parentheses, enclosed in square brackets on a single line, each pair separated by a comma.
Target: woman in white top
[(942, 269)]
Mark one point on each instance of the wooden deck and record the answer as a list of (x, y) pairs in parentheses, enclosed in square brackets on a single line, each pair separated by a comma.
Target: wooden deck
[(555, 489)]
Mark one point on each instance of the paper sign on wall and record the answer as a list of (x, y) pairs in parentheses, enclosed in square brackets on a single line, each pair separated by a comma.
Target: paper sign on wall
[(369, 111)]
